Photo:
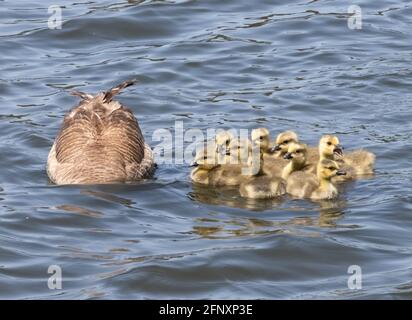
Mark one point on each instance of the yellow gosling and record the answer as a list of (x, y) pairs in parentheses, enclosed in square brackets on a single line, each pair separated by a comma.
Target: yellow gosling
[(261, 138), (285, 139), (239, 150), (261, 185), (222, 141), (227, 175), (301, 184), (204, 163), (358, 162), (282, 143), (296, 155), (330, 148), (362, 161), (210, 171), (272, 165)]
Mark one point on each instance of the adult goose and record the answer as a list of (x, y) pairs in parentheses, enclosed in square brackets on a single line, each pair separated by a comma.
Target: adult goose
[(100, 142)]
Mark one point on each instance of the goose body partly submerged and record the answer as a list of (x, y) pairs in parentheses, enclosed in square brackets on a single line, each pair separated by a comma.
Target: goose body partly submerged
[(100, 141)]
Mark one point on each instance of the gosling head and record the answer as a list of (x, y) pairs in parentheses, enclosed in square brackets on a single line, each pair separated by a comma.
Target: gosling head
[(329, 147), (205, 160), (296, 153), (261, 138), (239, 150), (328, 169), (283, 140), (222, 141)]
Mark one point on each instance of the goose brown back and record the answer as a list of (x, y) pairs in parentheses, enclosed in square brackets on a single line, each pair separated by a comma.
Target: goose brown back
[(100, 141)]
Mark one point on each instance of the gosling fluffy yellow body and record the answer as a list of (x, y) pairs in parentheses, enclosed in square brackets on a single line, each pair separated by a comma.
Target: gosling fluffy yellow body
[(362, 161), (227, 175), (355, 163), (222, 141), (262, 185), (272, 165), (285, 139), (302, 184), (297, 154), (205, 161), (330, 148), (289, 166), (282, 142), (239, 150), (208, 171)]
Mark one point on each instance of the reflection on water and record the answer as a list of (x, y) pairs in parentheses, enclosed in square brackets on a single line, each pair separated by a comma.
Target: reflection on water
[(109, 197), (79, 210), (230, 197), (247, 227), (329, 214)]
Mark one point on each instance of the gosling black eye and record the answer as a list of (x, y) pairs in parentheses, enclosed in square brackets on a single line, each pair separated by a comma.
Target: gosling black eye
[(204, 158), (331, 168), (298, 151), (286, 142), (261, 138), (227, 142), (329, 143)]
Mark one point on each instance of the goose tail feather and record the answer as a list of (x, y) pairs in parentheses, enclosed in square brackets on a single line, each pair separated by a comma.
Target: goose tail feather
[(108, 95)]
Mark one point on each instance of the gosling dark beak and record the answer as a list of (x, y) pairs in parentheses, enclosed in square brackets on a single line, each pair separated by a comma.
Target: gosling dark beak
[(275, 149), (341, 173), (194, 164), (288, 156), (338, 150)]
